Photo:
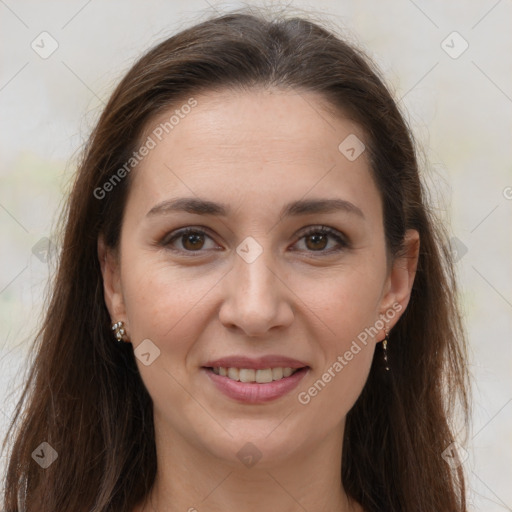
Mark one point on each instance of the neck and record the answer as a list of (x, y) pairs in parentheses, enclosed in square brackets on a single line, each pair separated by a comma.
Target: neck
[(193, 480)]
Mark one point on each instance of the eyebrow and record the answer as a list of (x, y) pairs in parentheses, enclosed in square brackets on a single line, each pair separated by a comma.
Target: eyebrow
[(295, 208)]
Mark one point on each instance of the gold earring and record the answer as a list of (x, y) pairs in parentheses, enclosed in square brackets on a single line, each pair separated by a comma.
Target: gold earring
[(385, 349), (118, 327)]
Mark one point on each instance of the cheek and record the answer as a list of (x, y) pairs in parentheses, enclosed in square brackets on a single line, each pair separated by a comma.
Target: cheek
[(166, 306), (347, 315), (346, 301), (347, 305), (163, 303)]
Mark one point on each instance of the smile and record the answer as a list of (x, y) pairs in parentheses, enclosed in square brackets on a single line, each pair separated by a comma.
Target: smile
[(253, 386), (250, 375)]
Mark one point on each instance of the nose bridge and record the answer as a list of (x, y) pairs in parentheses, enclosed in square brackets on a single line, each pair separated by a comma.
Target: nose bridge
[(256, 300)]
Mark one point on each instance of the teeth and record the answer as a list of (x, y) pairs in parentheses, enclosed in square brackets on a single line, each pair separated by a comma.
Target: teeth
[(287, 372), (263, 376), (246, 375), (233, 373), (250, 375), (277, 373)]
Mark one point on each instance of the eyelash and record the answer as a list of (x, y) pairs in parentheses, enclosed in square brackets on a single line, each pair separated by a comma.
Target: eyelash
[(313, 230)]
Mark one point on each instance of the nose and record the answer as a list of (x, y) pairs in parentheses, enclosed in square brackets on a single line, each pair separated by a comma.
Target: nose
[(257, 299)]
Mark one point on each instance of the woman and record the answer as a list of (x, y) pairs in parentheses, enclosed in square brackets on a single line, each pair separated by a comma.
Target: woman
[(254, 308)]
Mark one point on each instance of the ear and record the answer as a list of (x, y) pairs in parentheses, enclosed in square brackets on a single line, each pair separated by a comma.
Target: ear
[(397, 290), (112, 290)]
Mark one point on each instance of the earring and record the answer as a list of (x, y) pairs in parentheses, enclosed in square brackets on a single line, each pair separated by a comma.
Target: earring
[(118, 327), (385, 350)]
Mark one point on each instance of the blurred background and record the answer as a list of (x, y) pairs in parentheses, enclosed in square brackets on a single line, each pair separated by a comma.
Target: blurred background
[(447, 64)]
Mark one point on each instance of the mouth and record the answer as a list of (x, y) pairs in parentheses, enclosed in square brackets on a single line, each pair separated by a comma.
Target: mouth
[(255, 386), (263, 376)]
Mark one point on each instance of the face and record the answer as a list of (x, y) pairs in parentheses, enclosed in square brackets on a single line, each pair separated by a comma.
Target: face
[(284, 266)]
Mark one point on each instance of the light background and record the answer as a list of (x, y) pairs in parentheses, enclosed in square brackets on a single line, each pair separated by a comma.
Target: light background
[(459, 108)]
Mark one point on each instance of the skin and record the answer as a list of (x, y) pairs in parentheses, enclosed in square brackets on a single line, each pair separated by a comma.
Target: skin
[(255, 151)]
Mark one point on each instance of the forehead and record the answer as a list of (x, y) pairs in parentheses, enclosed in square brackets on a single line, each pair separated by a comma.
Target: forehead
[(252, 142), (262, 121)]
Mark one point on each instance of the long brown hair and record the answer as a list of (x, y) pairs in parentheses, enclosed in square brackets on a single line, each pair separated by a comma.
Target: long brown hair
[(84, 395)]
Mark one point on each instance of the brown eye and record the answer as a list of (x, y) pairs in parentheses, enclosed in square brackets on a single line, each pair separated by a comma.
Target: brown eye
[(318, 242), (317, 239), (192, 241)]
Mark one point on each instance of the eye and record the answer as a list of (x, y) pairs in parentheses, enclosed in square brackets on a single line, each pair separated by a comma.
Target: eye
[(191, 239), (316, 239)]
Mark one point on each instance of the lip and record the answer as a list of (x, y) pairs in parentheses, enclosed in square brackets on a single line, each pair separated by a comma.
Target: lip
[(253, 392), (255, 363)]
